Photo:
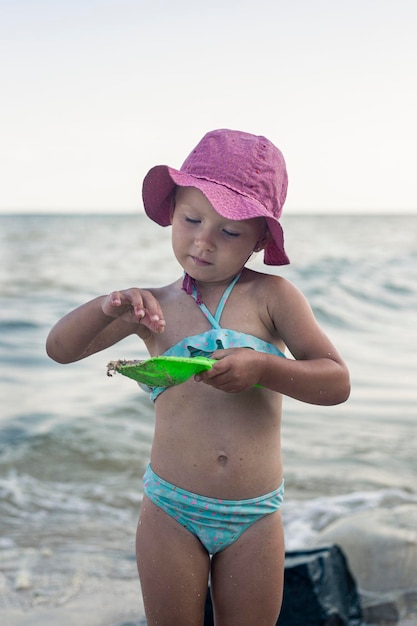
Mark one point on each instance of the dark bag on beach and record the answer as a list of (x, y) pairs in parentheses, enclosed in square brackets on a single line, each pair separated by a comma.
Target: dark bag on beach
[(319, 590)]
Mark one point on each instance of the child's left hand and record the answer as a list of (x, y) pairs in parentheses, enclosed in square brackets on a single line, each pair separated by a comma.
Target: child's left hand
[(236, 370)]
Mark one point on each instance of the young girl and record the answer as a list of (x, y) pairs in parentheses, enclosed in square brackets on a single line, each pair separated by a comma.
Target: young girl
[(214, 486)]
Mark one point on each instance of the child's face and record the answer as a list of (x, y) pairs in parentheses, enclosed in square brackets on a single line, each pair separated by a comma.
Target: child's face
[(208, 246)]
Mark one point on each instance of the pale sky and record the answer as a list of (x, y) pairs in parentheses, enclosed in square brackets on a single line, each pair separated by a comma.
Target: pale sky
[(94, 93)]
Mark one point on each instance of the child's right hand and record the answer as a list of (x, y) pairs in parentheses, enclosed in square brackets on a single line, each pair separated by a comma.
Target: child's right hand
[(135, 306)]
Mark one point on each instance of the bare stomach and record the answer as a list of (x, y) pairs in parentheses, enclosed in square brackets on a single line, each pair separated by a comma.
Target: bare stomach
[(216, 444)]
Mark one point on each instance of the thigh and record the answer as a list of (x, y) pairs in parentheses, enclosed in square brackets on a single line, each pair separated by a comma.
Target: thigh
[(247, 577), (173, 569)]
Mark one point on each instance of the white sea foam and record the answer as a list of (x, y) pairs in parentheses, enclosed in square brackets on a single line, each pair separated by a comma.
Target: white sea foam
[(305, 519)]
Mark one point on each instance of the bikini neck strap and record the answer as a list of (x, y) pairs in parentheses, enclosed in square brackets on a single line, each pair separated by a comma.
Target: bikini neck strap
[(189, 285)]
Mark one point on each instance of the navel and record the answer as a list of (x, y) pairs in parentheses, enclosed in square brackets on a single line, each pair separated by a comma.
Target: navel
[(222, 459)]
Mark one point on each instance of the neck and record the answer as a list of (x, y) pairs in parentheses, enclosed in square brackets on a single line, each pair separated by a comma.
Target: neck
[(189, 285)]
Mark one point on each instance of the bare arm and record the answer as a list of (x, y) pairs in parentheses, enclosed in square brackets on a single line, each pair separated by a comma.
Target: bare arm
[(103, 322), (317, 374), (322, 381)]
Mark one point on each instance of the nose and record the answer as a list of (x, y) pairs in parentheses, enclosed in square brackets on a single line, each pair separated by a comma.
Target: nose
[(204, 239)]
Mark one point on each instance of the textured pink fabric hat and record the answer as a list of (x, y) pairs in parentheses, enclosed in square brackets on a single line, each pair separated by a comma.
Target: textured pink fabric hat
[(241, 175)]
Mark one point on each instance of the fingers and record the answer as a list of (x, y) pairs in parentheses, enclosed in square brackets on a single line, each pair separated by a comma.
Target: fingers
[(235, 370), (135, 306), (216, 376), (149, 312), (221, 381)]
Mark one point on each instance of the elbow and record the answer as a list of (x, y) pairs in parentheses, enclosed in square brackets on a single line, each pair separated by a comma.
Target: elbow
[(55, 353), (341, 390), (341, 396), (336, 391), (346, 394), (332, 397), (57, 358), (345, 386)]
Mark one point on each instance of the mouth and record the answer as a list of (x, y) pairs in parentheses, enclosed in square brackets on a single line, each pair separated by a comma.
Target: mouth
[(200, 262)]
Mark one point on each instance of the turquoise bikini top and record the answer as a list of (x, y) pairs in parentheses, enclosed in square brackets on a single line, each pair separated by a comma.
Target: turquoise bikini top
[(217, 338)]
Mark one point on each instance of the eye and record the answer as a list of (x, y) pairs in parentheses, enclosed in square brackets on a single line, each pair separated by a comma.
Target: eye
[(192, 220), (229, 233)]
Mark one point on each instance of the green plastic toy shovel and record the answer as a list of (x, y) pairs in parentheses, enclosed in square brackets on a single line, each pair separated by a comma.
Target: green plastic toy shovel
[(161, 371)]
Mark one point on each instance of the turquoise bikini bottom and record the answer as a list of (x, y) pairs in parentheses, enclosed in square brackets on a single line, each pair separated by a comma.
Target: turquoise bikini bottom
[(216, 523)]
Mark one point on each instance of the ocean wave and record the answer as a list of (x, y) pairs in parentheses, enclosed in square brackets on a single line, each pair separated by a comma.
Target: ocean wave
[(305, 519), (24, 498)]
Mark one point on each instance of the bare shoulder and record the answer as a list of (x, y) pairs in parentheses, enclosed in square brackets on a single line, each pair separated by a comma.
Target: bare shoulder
[(120, 329), (170, 299), (284, 301), (165, 293), (288, 311), (275, 291)]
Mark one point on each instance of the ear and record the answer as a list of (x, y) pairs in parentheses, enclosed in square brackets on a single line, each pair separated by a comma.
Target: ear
[(263, 240)]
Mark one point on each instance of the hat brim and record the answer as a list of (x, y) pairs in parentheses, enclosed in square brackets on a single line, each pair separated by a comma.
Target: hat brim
[(159, 185)]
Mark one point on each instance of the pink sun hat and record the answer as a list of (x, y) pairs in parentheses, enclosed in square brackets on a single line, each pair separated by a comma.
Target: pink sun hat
[(241, 175)]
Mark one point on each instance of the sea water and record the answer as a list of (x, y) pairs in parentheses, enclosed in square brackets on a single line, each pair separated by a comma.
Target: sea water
[(74, 443)]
